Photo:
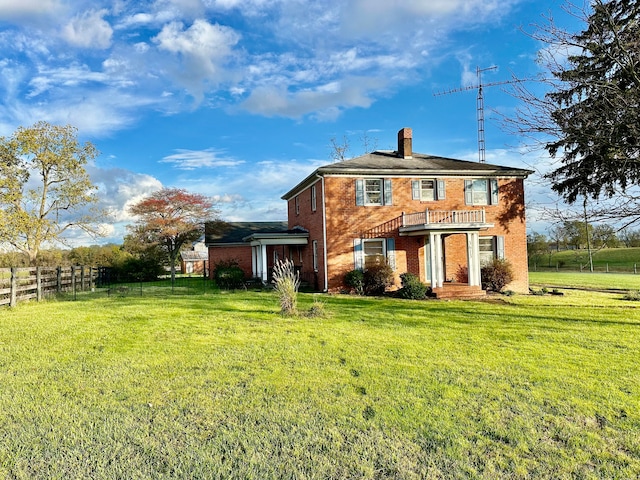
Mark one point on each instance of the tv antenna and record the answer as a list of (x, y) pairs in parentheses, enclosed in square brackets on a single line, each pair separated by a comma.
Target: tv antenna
[(479, 104)]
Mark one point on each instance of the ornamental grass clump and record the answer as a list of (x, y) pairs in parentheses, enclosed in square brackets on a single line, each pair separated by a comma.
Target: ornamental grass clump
[(287, 282)]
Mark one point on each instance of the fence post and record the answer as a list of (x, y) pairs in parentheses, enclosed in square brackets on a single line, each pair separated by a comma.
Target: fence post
[(82, 279), (557, 266), (73, 279), (59, 279), (635, 268), (607, 267), (14, 287), (38, 284)]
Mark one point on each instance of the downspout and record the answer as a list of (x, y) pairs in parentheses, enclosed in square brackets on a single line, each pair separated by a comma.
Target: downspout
[(324, 237)]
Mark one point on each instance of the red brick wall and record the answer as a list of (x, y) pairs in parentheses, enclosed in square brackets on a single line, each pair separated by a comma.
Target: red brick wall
[(311, 221), (241, 254), (346, 221)]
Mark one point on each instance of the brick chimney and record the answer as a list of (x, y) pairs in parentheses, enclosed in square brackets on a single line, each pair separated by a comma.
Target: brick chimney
[(404, 143)]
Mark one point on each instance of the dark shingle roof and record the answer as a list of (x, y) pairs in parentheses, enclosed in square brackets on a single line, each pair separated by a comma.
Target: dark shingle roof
[(236, 232), (389, 163)]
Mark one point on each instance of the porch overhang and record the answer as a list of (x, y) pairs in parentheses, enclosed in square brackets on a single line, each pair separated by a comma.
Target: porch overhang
[(425, 229), (277, 239)]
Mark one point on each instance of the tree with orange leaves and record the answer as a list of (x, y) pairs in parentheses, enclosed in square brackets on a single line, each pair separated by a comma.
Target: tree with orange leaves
[(169, 219)]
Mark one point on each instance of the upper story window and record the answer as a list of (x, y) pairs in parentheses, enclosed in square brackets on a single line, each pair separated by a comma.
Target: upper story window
[(297, 204), (481, 191), (427, 190), (374, 191), (314, 199)]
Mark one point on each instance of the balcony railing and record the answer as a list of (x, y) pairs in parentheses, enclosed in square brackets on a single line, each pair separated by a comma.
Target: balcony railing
[(443, 217)]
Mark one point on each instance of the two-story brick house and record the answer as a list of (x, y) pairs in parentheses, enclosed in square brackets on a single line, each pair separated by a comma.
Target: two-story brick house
[(428, 215)]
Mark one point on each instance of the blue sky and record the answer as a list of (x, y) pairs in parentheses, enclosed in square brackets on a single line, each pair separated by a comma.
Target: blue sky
[(239, 99)]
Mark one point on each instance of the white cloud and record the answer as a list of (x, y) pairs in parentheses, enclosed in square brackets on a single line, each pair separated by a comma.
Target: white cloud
[(13, 9), (327, 100), (89, 30), (201, 50), (197, 159)]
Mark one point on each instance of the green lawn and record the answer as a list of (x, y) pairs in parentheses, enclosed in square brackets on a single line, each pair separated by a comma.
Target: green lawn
[(603, 281), (222, 386)]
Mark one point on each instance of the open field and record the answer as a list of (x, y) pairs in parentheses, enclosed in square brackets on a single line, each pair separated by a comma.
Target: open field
[(222, 386), (614, 259)]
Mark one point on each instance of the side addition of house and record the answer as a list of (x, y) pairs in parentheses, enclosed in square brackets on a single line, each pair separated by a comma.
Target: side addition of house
[(435, 217)]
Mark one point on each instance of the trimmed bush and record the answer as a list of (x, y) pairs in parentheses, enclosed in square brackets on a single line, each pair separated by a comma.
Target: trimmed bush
[(355, 281), (496, 275), (377, 278), (228, 274), (287, 281), (412, 287)]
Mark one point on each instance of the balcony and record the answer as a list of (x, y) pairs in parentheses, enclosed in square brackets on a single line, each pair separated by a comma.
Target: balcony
[(443, 220)]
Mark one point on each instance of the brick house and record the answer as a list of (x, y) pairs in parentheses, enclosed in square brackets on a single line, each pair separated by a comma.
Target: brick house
[(432, 216)]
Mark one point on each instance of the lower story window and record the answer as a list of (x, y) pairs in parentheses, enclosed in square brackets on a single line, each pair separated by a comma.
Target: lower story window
[(490, 248), (374, 253), (315, 255), (369, 252)]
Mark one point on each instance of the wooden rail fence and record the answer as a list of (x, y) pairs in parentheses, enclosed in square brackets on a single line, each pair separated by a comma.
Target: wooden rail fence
[(18, 284)]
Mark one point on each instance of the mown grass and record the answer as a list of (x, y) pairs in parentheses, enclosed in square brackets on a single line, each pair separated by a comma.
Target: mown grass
[(222, 386), (603, 281)]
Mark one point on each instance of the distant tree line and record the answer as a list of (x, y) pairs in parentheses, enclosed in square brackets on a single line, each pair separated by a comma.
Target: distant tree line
[(126, 262)]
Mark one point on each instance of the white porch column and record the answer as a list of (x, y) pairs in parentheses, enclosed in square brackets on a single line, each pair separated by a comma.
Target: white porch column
[(437, 238), (263, 261), (432, 260), (473, 258), (254, 262)]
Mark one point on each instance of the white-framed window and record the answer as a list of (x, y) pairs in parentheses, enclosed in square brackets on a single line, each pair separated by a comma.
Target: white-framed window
[(427, 189), (314, 199), (490, 248), (373, 191), (314, 246), (297, 204), (374, 251), (481, 191)]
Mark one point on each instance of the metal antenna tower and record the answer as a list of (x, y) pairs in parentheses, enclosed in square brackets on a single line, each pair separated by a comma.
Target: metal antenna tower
[(479, 104)]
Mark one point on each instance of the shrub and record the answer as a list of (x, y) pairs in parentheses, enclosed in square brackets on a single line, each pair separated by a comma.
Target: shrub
[(496, 275), (228, 274), (355, 281), (412, 287), (462, 274), (287, 281), (377, 278), (137, 270)]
